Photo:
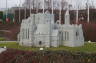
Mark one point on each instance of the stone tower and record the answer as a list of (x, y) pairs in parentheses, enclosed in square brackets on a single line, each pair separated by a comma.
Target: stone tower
[(67, 17)]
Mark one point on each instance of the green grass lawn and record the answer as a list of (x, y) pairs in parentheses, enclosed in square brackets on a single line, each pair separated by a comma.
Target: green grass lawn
[(15, 45), (88, 47)]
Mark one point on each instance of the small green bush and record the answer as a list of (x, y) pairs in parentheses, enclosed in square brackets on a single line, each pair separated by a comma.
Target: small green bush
[(2, 39)]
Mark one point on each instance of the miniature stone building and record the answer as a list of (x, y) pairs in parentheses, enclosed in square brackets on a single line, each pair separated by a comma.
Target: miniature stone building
[(40, 30), (72, 34)]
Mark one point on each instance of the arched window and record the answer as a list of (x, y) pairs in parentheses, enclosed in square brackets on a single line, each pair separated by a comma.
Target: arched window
[(23, 36), (77, 35), (66, 37), (28, 33), (40, 42)]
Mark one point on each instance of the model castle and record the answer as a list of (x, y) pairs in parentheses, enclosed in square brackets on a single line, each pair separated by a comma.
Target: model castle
[(40, 30)]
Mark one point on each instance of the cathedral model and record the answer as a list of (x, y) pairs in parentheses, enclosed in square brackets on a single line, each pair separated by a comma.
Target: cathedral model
[(40, 30)]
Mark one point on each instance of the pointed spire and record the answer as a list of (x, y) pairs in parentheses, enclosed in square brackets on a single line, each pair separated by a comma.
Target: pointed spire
[(67, 17), (77, 11)]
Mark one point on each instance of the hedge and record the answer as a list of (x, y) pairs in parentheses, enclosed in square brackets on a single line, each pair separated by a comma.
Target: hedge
[(18, 56), (2, 39)]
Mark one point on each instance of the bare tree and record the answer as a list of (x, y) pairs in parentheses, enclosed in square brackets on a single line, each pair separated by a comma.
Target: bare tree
[(48, 4), (64, 4)]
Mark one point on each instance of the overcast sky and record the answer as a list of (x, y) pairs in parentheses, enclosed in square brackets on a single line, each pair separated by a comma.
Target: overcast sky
[(12, 3)]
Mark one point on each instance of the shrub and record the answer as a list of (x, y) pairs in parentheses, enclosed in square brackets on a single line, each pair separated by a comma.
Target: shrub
[(2, 39), (18, 56)]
